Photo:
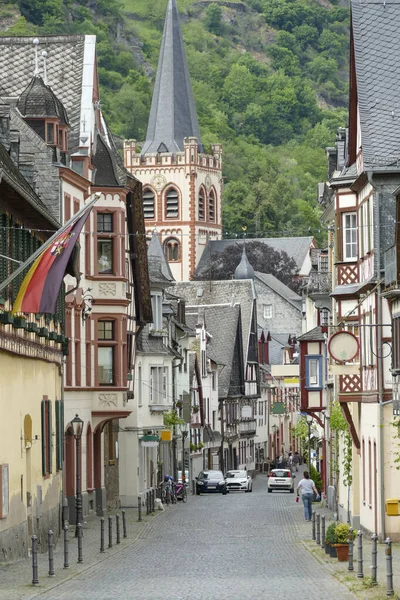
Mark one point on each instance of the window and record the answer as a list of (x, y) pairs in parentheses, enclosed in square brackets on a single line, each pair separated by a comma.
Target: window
[(349, 236), (4, 491), (267, 311), (59, 434), (323, 263), (211, 207), (202, 204), (363, 470), (214, 380), (203, 364), (139, 386), (105, 330), (172, 204), (104, 256), (171, 249), (104, 222), (158, 385), (46, 437), (50, 133), (314, 372), (105, 365), (148, 204), (156, 306)]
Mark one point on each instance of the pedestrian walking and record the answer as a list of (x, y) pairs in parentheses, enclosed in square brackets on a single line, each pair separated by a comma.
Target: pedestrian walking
[(307, 487), (296, 460)]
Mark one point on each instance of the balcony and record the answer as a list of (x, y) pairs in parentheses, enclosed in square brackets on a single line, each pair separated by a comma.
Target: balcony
[(247, 427), (319, 283)]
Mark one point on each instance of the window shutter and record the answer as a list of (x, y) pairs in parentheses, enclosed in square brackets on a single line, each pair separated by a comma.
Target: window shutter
[(43, 409), (62, 432), (58, 437), (50, 438)]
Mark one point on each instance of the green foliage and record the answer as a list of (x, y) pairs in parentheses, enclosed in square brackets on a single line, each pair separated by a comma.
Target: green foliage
[(330, 535), (300, 430), (342, 533), (172, 418), (316, 477), (213, 19), (347, 462), (337, 420)]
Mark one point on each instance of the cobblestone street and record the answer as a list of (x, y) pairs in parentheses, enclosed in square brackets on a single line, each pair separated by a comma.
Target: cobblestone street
[(214, 547)]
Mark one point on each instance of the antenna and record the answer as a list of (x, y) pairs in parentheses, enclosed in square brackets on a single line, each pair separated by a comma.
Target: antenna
[(36, 43), (44, 55)]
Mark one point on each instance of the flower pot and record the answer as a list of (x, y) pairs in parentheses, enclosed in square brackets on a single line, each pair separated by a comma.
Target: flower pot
[(342, 551), (332, 551), (327, 547)]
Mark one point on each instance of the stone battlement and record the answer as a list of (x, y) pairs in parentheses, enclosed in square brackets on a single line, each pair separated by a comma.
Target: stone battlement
[(189, 156)]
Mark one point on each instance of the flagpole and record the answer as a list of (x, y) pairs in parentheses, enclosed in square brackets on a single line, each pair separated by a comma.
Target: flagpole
[(48, 242)]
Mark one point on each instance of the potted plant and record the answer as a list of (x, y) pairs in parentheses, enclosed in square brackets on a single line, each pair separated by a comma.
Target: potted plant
[(196, 409), (342, 541), (179, 404), (330, 537)]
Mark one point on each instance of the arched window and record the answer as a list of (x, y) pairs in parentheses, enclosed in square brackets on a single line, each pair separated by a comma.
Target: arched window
[(148, 204), (171, 249), (172, 204), (211, 207), (202, 205)]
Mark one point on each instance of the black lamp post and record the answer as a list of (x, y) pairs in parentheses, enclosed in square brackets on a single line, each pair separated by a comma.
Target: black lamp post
[(309, 423), (184, 433), (77, 428)]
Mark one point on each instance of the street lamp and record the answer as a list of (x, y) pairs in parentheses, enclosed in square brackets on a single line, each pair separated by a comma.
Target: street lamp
[(77, 428), (309, 423), (184, 430)]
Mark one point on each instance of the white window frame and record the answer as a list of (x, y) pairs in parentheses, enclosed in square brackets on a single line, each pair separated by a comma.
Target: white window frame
[(156, 305), (349, 226), (267, 311)]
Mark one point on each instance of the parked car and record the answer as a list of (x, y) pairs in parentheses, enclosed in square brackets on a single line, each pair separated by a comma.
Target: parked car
[(239, 480), (281, 479), (211, 481)]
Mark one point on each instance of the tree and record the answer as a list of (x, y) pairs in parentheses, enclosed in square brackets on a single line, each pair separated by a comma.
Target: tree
[(213, 20), (262, 257)]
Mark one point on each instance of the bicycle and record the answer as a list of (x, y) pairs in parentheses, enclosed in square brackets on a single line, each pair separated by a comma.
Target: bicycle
[(181, 491)]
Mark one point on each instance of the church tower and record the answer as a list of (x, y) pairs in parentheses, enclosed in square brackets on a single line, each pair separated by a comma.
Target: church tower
[(182, 184)]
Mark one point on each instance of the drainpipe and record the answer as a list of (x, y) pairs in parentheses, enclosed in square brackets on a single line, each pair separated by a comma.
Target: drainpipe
[(380, 371)]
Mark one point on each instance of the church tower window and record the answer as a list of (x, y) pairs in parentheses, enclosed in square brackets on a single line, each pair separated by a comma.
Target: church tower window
[(148, 204), (202, 205), (211, 207), (172, 204), (171, 249)]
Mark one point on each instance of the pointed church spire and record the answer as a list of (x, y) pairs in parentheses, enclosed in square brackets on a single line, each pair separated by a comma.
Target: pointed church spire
[(173, 112), (244, 270), (159, 269)]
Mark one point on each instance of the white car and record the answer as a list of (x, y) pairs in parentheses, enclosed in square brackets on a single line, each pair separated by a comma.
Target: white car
[(238, 480), (281, 479)]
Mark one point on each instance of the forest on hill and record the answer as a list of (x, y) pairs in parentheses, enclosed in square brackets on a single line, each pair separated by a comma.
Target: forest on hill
[(270, 81)]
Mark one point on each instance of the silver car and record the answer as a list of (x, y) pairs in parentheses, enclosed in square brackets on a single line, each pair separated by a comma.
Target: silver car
[(238, 480)]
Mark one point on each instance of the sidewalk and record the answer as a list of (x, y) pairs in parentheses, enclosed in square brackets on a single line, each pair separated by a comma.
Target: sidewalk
[(361, 587), (16, 578)]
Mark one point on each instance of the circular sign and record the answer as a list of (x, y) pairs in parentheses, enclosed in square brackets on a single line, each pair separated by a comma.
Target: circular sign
[(343, 346)]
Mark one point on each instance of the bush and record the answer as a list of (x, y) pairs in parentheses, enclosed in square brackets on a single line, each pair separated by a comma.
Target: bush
[(342, 533), (330, 536), (316, 477)]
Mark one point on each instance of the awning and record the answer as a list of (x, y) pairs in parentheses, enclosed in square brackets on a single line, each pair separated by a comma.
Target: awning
[(353, 289)]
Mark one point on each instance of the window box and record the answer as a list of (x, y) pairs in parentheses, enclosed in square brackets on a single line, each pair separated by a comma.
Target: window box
[(43, 332), (6, 318), (60, 338), (53, 336), (65, 348), (19, 323), (32, 327)]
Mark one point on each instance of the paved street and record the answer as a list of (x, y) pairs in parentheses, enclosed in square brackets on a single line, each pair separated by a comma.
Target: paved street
[(240, 546)]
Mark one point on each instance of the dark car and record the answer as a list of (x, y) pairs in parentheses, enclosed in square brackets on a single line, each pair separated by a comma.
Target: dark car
[(210, 481)]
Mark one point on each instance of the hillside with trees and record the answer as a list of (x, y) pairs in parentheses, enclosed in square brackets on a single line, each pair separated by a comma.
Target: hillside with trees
[(269, 79)]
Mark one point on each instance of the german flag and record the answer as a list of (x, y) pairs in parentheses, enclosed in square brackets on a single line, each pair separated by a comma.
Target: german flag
[(41, 285)]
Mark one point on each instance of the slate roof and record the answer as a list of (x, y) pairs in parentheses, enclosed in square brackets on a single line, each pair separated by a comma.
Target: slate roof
[(376, 28), (159, 269), (314, 335), (38, 100), (102, 160), (150, 344), (222, 323), (229, 292), (173, 113), (296, 247), (65, 61), (280, 288), (278, 342)]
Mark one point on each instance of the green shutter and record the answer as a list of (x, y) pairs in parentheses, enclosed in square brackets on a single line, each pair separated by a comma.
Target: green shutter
[(43, 409), (50, 430)]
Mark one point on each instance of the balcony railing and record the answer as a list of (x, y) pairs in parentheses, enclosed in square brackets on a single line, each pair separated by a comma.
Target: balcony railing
[(247, 426)]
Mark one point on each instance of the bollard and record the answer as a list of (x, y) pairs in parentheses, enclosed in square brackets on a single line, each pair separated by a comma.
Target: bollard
[(35, 575), (80, 537), (318, 536), (139, 507), (351, 551), (153, 500), (147, 502), (323, 532), (118, 530), (374, 553), (110, 531), (389, 568), (193, 487), (66, 542), (102, 534), (360, 572), (124, 524), (313, 525), (50, 537), (65, 512)]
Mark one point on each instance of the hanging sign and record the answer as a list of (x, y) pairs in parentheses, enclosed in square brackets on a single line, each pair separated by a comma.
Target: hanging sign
[(343, 346)]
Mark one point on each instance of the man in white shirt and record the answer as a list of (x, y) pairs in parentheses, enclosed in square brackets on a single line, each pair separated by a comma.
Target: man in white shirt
[(307, 487)]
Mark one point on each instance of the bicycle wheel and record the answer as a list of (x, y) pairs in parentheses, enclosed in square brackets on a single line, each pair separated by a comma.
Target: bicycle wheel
[(184, 495)]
